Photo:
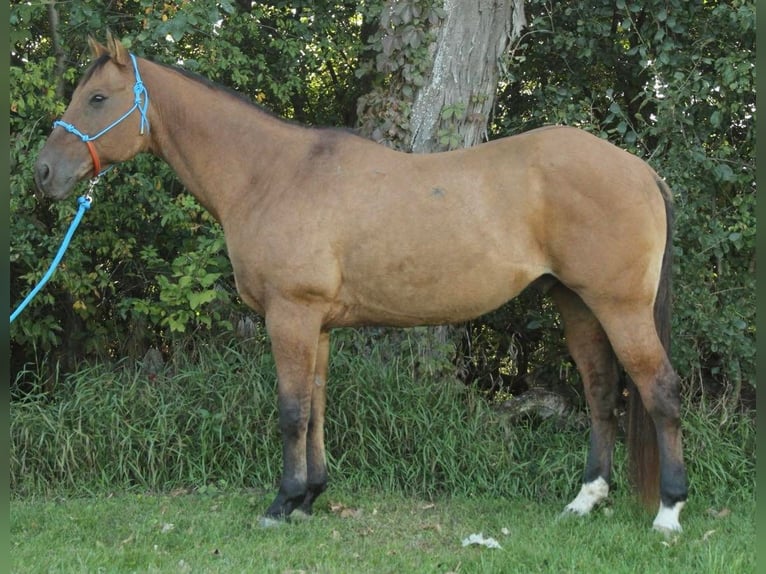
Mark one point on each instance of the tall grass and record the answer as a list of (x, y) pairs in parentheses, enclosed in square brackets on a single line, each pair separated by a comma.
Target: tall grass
[(201, 421), (210, 419)]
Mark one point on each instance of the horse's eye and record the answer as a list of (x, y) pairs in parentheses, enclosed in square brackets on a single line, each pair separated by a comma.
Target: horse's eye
[(97, 99)]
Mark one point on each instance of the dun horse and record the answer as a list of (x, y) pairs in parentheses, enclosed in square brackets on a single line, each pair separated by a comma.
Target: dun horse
[(325, 229)]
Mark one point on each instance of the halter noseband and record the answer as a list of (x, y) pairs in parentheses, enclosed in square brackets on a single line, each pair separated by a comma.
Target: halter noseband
[(140, 103)]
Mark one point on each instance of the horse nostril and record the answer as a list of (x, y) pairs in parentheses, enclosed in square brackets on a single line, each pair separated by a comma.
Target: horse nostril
[(42, 175)]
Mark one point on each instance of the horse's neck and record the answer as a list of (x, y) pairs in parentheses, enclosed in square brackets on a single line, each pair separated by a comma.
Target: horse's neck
[(220, 147)]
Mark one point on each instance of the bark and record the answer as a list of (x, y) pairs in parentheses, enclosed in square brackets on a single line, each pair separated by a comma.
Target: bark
[(467, 54)]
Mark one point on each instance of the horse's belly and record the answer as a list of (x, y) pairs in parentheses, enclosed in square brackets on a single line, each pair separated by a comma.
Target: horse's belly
[(430, 299)]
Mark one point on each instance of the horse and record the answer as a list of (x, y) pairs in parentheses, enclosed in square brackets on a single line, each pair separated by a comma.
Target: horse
[(327, 229)]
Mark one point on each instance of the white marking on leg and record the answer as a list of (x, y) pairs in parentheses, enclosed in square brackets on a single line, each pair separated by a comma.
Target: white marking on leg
[(591, 493), (666, 520)]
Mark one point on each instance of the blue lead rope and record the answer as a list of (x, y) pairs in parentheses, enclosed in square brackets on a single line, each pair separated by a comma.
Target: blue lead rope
[(84, 204)]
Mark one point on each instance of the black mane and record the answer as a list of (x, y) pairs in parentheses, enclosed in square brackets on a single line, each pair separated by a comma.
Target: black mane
[(96, 65), (104, 58)]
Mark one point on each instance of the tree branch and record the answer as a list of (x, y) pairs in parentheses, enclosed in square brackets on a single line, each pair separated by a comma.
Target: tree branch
[(58, 51)]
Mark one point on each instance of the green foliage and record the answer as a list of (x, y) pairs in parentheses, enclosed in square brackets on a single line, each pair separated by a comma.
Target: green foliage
[(449, 137), (130, 426), (367, 531), (212, 418), (143, 263), (398, 62)]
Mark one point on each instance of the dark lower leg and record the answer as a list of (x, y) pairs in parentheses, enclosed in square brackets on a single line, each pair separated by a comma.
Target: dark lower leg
[(601, 393), (295, 332), (592, 353), (293, 417), (665, 412), (315, 453)]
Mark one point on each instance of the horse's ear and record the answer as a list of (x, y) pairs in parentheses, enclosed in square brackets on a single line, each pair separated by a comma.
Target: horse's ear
[(116, 50), (97, 49)]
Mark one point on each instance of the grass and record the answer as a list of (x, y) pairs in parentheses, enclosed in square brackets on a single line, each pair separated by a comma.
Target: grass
[(120, 471), (212, 419), (367, 531)]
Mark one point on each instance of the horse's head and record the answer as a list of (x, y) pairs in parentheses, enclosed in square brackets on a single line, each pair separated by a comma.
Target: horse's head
[(104, 124)]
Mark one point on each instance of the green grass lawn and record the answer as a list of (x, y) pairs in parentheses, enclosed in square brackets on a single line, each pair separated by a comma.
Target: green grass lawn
[(219, 531)]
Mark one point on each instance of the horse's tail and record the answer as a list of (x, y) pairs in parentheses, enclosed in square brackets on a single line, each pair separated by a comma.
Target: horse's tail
[(642, 436)]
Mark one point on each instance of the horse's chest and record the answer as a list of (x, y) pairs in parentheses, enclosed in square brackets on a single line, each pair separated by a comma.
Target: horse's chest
[(250, 283), (267, 270), (251, 291)]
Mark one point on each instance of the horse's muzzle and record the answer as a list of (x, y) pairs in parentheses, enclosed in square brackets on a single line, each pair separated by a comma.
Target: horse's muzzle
[(49, 184)]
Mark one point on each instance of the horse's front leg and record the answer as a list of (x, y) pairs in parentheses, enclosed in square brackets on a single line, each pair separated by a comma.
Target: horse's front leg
[(315, 456), (295, 333)]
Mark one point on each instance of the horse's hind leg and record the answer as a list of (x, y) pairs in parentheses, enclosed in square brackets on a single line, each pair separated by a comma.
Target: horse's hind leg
[(654, 441), (588, 344)]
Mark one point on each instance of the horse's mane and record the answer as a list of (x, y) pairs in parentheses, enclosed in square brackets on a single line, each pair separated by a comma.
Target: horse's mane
[(104, 58), (218, 87), (96, 65)]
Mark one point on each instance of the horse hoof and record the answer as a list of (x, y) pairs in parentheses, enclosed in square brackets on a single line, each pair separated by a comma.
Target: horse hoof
[(591, 494), (667, 519)]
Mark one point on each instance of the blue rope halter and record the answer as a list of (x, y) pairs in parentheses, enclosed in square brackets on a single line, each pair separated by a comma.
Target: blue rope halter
[(141, 103)]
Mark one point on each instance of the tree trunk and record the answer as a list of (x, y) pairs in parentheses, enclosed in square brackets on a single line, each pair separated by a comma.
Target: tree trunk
[(452, 109), (58, 49)]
